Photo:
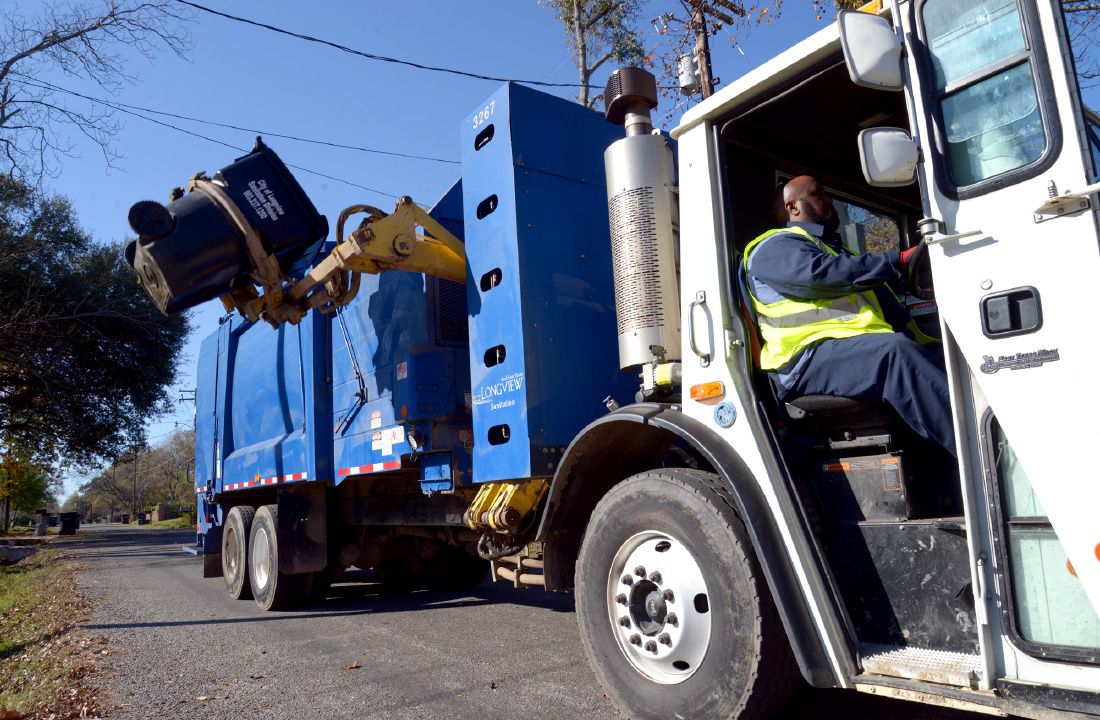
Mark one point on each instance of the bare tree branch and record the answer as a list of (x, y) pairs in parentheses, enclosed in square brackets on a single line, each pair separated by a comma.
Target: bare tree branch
[(90, 40)]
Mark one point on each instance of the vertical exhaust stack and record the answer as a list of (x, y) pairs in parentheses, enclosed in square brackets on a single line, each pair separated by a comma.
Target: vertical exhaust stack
[(644, 217)]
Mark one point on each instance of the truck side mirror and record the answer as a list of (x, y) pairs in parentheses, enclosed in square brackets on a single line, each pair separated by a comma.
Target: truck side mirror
[(872, 50), (888, 156)]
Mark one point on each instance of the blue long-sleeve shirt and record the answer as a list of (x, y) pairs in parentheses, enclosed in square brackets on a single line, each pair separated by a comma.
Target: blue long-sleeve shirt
[(789, 266)]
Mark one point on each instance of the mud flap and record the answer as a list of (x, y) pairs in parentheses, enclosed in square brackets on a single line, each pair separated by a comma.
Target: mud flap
[(303, 529), (212, 552)]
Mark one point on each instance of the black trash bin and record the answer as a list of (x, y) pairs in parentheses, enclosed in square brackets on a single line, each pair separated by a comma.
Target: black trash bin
[(189, 252), (70, 521)]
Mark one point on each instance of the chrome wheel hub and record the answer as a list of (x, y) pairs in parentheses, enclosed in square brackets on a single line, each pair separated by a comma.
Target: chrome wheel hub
[(658, 606), (261, 558)]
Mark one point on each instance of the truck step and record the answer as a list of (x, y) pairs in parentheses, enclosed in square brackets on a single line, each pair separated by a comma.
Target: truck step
[(517, 569), (914, 663)]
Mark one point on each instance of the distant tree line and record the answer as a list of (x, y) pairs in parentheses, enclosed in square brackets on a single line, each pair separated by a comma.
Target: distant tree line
[(139, 479)]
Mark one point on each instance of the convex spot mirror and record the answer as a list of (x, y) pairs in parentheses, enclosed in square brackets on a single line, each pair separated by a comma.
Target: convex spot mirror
[(888, 156), (872, 50)]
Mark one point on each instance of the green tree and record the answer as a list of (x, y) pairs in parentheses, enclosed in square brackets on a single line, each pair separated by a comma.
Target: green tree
[(24, 485), (85, 358), (598, 31)]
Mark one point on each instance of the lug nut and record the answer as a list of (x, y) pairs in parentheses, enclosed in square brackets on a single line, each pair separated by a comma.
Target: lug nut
[(655, 577), (664, 639), (635, 640), (672, 619), (627, 580), (624, 621), (621, 599), (668, 596), (639, 571), (651, 646)]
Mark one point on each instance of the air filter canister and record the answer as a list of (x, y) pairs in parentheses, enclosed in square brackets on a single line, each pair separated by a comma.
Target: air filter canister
[(644, 220)]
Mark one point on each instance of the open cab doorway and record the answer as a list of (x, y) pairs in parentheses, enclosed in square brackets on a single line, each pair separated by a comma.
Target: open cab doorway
[(936, 568), (884, 505)]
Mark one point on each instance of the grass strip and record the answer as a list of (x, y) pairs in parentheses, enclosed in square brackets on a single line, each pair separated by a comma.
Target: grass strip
[(46, 662)]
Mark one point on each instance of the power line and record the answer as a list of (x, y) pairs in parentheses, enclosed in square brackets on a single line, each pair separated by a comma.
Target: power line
[(233, 147), (243, 150), (372, 56), (42, 84)]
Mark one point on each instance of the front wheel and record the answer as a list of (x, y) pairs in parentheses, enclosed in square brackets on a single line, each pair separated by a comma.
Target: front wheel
[(675, 616)]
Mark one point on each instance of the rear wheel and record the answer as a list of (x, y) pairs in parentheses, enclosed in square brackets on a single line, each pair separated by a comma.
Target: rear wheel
[(238, 525), (675, 616), (271, 589)]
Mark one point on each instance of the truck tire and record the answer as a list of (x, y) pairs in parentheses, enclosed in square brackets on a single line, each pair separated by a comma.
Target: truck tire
[(675, 616), (238, 525), (271, 589)]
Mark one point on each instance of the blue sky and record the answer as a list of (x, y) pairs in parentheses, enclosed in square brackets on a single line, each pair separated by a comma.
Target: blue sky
[(255, 78)]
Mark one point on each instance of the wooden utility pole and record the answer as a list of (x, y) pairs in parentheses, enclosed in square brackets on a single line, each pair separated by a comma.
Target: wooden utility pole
[(133, 493), (702, 47)]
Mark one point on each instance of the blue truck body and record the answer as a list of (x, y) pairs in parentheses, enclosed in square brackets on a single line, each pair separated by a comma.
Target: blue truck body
[(419, 375)]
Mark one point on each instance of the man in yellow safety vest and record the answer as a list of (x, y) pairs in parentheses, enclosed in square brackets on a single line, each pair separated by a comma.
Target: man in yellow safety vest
[(831, 323)]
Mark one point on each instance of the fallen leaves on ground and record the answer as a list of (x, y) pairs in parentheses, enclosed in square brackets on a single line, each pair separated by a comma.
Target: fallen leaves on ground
[(353, 666), (47, 663)]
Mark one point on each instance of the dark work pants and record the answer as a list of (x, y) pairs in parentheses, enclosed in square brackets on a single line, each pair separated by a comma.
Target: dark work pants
[(889, 368)]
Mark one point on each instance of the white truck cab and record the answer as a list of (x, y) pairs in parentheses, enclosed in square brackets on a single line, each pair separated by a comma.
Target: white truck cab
[(994, 163)]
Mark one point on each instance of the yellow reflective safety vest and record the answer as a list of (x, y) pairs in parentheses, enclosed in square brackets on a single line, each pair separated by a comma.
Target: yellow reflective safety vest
[(790, 326)]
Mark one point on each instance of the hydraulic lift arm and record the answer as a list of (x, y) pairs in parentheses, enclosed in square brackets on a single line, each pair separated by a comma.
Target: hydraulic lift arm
[(383, 241)]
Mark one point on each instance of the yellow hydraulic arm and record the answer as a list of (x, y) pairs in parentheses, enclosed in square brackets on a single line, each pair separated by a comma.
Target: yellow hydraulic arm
[(383, 241)]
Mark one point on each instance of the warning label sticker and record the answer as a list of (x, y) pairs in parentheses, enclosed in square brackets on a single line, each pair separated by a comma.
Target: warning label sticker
[(385, 440)]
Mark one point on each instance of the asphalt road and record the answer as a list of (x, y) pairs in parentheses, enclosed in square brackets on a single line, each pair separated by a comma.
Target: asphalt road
[(495, 652)]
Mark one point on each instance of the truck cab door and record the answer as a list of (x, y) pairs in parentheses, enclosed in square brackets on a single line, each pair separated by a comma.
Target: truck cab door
[(1001, 128)]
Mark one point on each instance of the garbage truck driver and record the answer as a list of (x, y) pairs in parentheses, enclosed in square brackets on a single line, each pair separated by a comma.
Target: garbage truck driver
[(830, 323)]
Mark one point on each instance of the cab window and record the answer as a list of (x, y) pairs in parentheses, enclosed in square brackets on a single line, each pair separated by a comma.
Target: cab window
[(1051, 608), (985, 89), (864, 230)]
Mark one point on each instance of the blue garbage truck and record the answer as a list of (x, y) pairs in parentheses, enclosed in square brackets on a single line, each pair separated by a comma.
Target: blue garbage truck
[(552, 376), (362, 436)]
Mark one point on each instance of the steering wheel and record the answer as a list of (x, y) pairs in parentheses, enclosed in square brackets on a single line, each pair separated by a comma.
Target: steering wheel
[(919, 273)]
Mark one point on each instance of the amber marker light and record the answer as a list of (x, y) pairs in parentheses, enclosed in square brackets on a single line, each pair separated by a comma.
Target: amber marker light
[(874, 7), (707, 391)]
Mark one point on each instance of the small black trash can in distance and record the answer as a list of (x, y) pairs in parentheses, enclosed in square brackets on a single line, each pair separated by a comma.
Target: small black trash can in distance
[(70, 521), (190, 251)]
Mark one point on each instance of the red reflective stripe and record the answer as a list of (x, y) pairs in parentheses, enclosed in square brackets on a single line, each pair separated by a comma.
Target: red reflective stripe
[(373, 468)]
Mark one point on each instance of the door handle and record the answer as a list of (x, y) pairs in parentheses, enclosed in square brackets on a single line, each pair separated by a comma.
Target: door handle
[(699, 301), (1011, 312), (937, 238)]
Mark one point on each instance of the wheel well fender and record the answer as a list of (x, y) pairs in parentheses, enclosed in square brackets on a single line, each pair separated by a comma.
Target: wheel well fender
[(636, 438)]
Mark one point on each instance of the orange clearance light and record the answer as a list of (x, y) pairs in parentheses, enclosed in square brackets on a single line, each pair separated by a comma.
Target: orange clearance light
[(874, 7), (1069, 568), (404, 411), (707, 391), (1096, 551)]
